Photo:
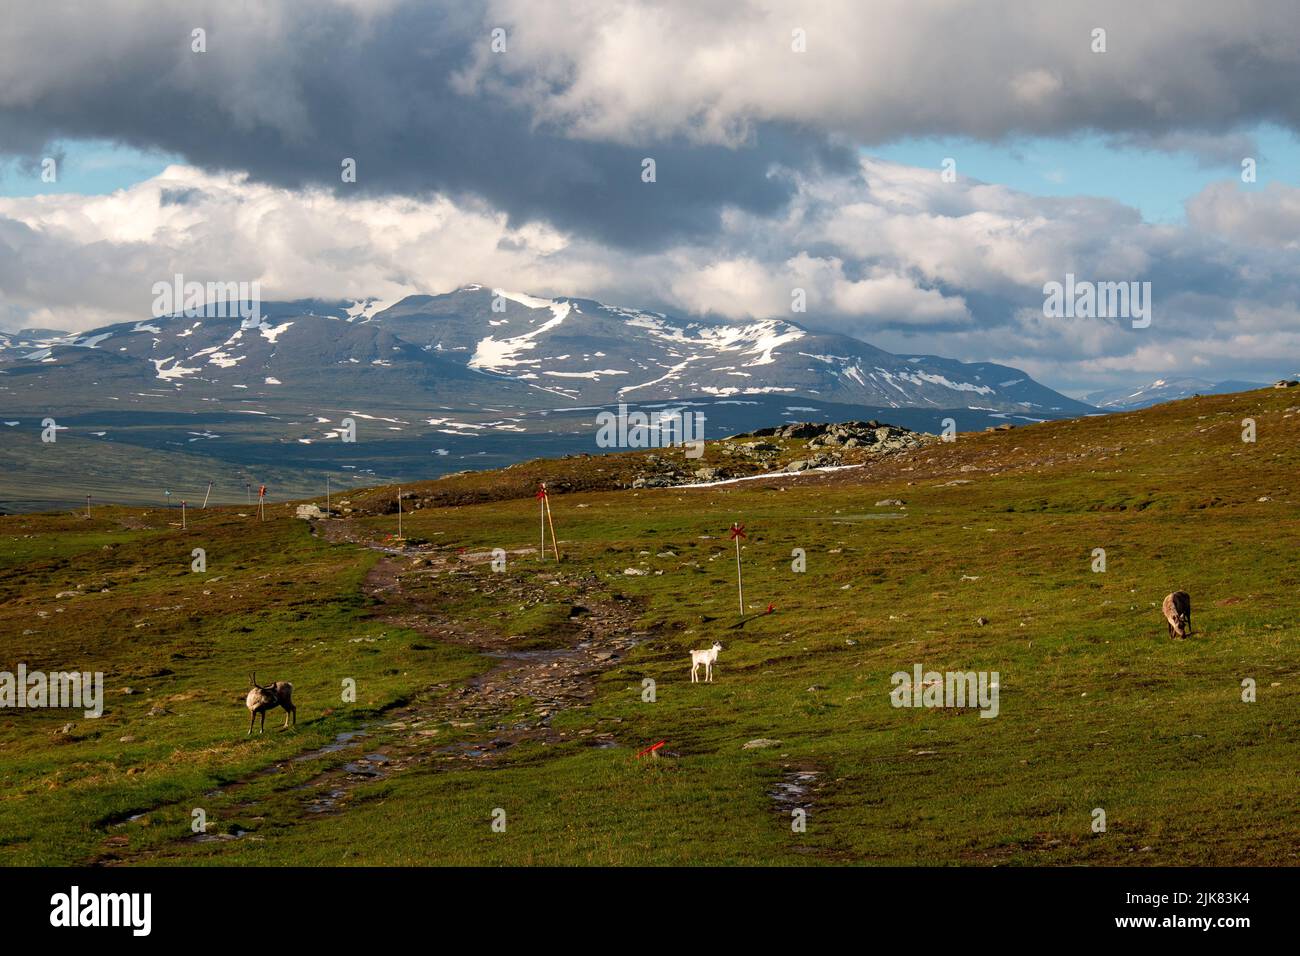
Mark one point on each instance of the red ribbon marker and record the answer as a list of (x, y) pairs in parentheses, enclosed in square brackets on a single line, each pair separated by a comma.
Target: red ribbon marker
[(738, 531), (771, 608), (652, 748)]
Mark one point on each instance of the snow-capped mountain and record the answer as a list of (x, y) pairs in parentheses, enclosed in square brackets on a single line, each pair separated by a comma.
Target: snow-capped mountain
[(432, 384), (1163, 390), (514, 348), (584, 351)]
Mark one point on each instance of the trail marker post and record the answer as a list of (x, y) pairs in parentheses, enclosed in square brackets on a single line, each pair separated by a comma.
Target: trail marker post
[(399, 512), (87, 506), (182, 514), (541, 501), (205, 496), (738, 532), (261, 503), (545, 501)]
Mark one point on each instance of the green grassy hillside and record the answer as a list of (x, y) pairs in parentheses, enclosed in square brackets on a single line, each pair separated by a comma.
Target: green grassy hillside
[(518, 694)]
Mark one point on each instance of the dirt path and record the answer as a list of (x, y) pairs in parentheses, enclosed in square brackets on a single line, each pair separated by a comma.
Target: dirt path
[(470, 724)]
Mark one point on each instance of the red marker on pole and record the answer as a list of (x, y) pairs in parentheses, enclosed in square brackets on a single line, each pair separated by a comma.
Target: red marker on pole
[(261, 502), (653, 749)]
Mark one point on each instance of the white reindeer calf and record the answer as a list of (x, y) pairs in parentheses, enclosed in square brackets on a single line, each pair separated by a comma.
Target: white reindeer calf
[(706, 658)]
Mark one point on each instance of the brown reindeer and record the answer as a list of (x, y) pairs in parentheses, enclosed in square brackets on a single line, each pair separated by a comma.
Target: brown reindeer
[(261, 698), (1177, 609)]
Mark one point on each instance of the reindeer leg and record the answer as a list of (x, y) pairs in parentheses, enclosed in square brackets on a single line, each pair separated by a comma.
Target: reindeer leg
[(262, 728), (252, 719)]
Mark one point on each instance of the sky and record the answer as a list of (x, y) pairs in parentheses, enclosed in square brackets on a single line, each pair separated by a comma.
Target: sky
[(795, 146)]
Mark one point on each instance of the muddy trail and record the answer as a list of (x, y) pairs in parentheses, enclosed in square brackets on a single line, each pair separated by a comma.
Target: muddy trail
[(473, 723)]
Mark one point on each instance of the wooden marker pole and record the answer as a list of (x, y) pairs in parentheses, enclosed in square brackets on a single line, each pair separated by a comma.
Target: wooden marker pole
[(87, 506), (182, 514), (327, 496), (399, 512), (541, 513), (555, 545), (544, 500), (205, 496), (738, 532)]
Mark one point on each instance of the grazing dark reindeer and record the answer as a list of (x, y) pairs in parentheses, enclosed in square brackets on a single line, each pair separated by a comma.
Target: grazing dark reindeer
[(1177, 610), (263, 698)]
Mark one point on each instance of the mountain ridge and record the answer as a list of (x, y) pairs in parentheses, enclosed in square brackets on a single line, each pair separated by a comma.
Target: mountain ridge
[(575, 349)]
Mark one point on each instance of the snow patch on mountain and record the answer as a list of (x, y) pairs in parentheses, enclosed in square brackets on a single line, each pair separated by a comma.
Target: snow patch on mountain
[(593, 375), (919, 377), (496, 355), (175, 373), (271, 333)]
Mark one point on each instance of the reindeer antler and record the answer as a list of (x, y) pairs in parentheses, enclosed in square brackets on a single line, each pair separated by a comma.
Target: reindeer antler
[(253, 678)]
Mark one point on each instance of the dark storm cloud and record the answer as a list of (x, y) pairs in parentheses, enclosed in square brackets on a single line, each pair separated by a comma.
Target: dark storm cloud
[(290, 104)]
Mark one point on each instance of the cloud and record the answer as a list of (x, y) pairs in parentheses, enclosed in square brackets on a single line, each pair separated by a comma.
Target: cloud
[(890, 254), (717, 72), (523, 168), (287, 91), (1269, 216), (554, 128)]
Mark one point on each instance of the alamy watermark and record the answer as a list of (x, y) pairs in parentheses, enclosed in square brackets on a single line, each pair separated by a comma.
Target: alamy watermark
[(74, 908), (58, 690), (658, 429), (951, 689), (196, 300), (1098, 300)]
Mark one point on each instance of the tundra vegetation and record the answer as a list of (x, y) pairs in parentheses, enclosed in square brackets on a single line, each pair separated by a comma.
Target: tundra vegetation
[(1098, 707)]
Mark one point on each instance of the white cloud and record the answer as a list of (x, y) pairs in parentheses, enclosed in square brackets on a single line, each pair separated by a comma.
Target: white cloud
[(892, 255), (632, 70)]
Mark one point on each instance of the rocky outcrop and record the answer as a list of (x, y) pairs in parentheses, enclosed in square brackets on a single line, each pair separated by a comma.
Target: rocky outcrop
[(871, 435), (768, 451)]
